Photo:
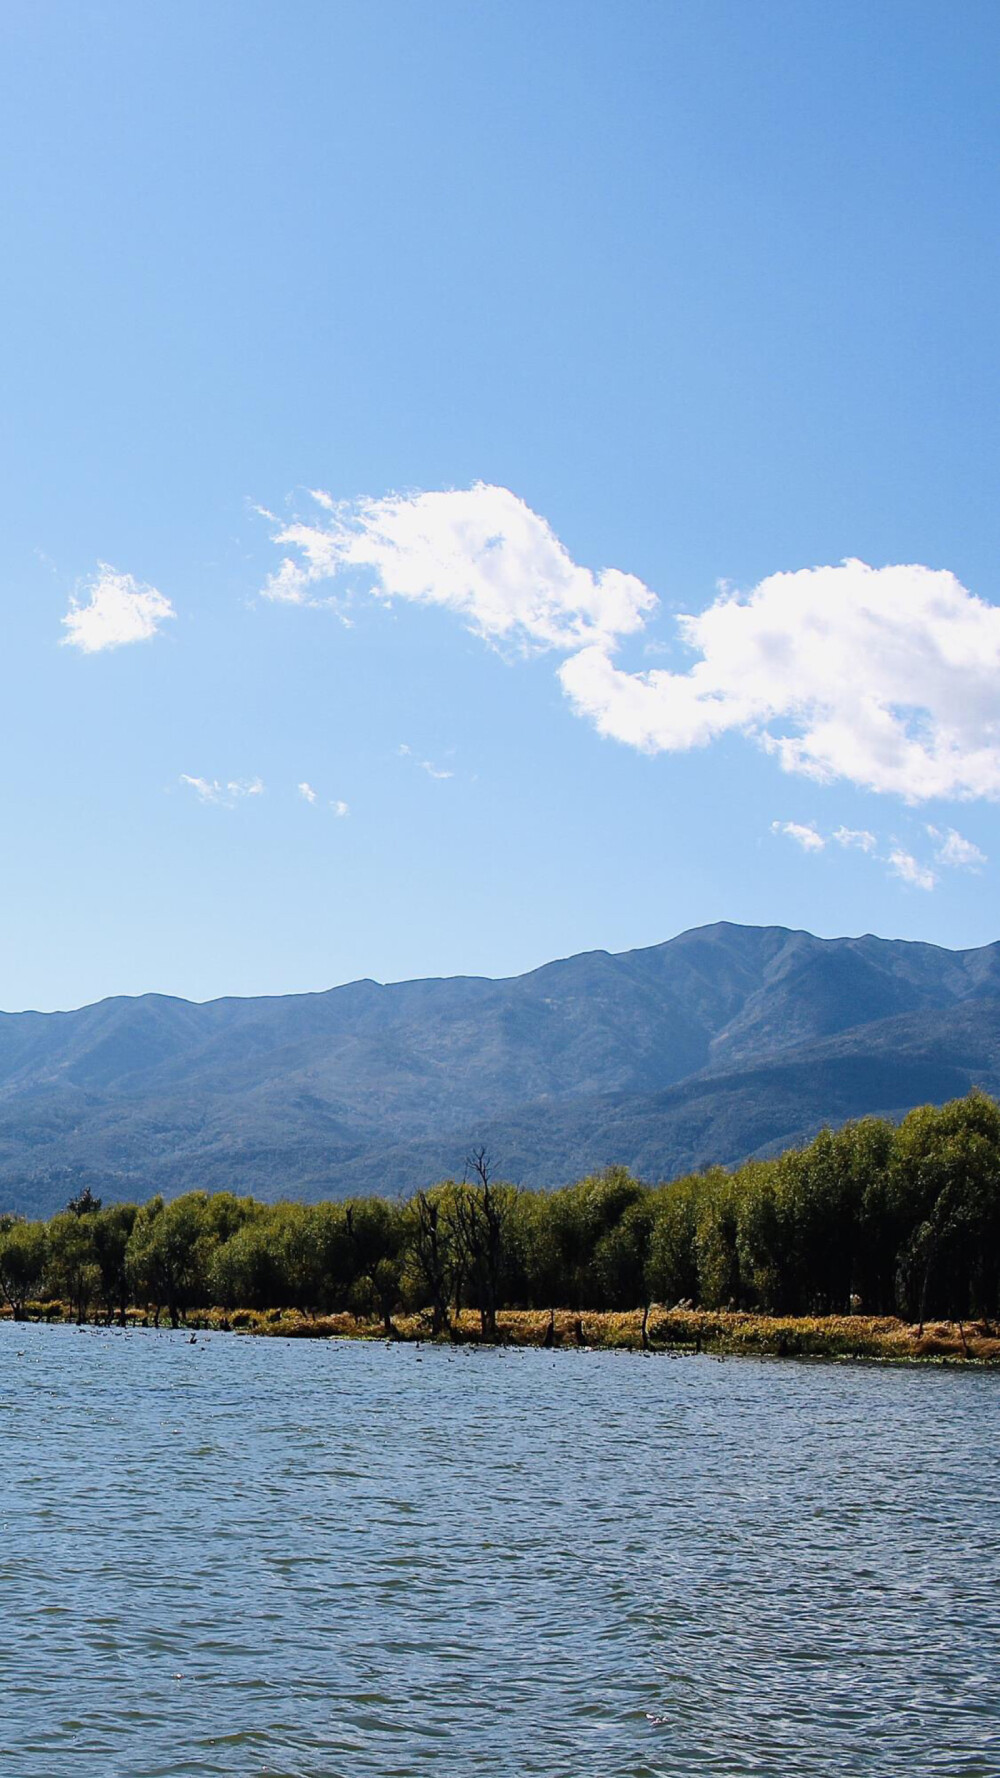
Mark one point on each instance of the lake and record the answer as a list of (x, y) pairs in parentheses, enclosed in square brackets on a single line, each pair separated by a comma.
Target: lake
[(329, 1560)]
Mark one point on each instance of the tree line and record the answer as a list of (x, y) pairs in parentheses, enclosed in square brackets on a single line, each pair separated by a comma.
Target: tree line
[(888, 1219)]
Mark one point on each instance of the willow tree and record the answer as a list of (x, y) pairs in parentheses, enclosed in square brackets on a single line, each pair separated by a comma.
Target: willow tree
[(24, 1252)]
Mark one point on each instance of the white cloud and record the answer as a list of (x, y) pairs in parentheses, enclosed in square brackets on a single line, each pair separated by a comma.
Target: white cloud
[(478, 551), (425, 765), (213, 790), (804, 836), (901, 864), (309, 795), (889, 678), (855, 836), (904, 865), (955, 851), (117, 609)]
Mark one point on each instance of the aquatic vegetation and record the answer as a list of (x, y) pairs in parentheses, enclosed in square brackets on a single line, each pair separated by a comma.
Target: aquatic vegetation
[(723, 1333)]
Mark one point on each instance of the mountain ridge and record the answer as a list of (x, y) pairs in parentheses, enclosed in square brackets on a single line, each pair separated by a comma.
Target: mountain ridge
[(676, 1055)]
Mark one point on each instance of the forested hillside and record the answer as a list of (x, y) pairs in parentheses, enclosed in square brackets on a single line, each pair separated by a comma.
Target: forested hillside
[(724, 1042)]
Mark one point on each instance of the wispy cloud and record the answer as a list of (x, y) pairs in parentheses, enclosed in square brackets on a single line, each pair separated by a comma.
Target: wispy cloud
[(901, 864), (888, 678), (426, 765), (904, 865), (805, 836), (227, 794), (337, 804), (858, 837), (956, 852), (115, 609)]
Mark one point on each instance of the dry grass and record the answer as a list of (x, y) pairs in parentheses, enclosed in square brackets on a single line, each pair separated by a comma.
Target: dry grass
[(730, 1332)]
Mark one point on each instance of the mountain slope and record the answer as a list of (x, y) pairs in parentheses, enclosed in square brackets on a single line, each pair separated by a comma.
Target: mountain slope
[(716, 1044)]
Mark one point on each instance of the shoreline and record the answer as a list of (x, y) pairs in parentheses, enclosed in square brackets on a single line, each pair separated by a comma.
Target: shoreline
[(722, 1333)]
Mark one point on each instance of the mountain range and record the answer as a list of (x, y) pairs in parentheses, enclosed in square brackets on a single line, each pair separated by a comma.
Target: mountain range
[(724, 1042)]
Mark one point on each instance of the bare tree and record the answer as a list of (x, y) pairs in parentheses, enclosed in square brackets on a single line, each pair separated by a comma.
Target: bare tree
[(482, 1221), (430, 1246)]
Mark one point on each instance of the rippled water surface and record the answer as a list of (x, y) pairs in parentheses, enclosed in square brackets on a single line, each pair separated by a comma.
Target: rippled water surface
[(250, 1557)]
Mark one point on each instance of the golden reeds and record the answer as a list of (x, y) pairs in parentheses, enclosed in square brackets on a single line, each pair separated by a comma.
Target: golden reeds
[(720, 1332)]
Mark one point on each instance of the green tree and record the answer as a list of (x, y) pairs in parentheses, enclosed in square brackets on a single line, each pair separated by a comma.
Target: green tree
[(167, 1255), (324, 1258), (247, 1271), (376, 1232), (72, 1269), (621, 1255), (947, 1174), (717, 1242), (672, 1263), (580, 1217), (24, 1252), (764, 1235), (111, 1228)]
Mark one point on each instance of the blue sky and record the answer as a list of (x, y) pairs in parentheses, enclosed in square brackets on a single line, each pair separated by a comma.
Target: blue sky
[(589, 323)]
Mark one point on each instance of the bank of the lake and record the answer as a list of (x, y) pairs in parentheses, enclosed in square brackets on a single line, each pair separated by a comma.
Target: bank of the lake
[(723, 1333)]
